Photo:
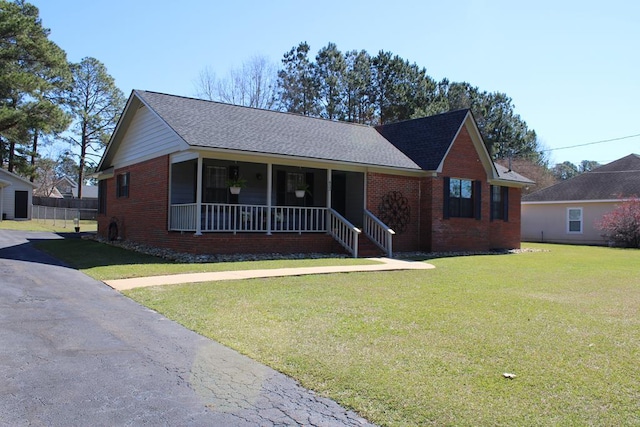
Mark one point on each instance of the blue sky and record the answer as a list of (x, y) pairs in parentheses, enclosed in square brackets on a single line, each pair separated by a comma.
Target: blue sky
[(572, 68)]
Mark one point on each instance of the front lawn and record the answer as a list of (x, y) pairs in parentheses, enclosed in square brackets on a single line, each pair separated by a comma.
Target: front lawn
[(56, 226), (430, 347)]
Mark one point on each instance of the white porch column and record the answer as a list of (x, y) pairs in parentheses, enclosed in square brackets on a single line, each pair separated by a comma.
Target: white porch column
[(269, 193), (199, 197), (1, 202)]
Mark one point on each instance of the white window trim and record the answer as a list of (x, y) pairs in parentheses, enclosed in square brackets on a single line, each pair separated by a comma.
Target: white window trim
[(581, 220)]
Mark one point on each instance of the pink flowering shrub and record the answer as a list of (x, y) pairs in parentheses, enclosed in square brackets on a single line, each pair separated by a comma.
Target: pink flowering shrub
[(622, 225)]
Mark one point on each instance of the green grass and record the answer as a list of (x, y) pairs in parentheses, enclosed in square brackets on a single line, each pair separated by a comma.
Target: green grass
[(59, 226), (430, 347), (106, 262)]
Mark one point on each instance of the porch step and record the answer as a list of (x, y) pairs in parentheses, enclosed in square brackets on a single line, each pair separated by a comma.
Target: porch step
[(368, 249)]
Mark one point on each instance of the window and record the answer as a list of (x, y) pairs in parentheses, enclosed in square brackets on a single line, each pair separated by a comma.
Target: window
[(215, 184), (499, 202), (102, 197), (574, 220), (460, 198), (122, 186), (294, 181)]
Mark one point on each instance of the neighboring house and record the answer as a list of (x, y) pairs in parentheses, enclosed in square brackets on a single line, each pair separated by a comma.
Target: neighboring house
[(15, 196), (164, 180), (568, 211), (66, 188)]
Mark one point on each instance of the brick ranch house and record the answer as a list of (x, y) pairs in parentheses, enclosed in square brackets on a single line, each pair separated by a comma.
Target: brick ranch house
[(427, 184)]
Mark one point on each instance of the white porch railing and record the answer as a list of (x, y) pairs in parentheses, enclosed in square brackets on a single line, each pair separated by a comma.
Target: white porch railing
[(219, 217), (183, 217), (233, 218), (344, 232), (298, 219), (379, 232)]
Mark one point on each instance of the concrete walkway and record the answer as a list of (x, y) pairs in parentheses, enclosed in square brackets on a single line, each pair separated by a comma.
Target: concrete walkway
[(386, 264)]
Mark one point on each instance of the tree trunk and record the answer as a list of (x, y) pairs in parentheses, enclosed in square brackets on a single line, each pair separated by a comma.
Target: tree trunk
[(34, 153), (12, 149), (83, 153)]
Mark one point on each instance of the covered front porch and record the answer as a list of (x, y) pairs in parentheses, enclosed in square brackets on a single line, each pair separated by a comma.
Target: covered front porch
[(213, 195)]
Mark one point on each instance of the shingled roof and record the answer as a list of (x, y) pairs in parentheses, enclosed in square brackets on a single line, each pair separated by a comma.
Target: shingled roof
[(212, 124), (618, 178), (425, 140)]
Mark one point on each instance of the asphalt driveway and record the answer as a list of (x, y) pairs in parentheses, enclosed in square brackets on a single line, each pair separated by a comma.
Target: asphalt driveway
[(76, 352)]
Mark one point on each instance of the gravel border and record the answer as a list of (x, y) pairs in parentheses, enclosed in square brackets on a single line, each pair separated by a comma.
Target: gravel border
[(184, 257)]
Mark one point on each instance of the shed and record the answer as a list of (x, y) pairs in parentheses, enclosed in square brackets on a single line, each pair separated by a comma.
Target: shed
[(15, 196)]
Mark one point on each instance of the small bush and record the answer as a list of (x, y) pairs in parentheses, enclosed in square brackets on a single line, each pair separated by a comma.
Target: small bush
[(622, 225)]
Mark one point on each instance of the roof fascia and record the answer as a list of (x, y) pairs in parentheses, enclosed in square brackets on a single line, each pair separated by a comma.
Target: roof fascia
[(18, 177), (573, 202), (509, 183)]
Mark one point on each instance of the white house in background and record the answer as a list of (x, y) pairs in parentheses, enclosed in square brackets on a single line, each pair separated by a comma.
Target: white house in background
[(568, 211), (15, 196)]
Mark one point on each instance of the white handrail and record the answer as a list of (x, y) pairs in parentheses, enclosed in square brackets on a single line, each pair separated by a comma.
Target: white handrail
[(379, 232), (344, 232)]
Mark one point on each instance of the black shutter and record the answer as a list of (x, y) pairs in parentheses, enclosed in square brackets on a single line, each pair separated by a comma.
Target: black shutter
[(102, 197), (492, 213), (505, 202), (445, 197), (477, 198)]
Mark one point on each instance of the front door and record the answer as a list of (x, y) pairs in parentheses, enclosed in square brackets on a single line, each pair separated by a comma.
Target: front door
[(21, 205), (339, 192)]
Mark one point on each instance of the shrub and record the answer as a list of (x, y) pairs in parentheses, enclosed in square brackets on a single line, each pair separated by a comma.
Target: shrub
[(622, 225)]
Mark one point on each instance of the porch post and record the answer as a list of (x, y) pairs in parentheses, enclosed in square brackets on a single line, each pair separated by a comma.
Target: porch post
[(269, 192), (199, 197), (329, 173)]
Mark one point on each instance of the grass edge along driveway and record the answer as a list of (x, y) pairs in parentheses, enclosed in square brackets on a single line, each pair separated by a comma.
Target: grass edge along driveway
[(430, 347)]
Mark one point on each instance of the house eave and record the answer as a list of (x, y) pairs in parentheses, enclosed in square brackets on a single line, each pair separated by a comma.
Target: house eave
[(260, 157), (568, 202)]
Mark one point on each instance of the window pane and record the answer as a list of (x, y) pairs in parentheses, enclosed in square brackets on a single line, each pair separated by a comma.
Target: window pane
[(574, 226), (466, 189), (454, 188), (294, 180), (216, 177), (575, 214)]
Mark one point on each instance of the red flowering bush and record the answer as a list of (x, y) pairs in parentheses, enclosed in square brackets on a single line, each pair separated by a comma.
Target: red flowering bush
[(622, 225)]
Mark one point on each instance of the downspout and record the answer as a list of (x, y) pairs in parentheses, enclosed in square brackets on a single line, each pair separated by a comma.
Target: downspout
[(199, 197)]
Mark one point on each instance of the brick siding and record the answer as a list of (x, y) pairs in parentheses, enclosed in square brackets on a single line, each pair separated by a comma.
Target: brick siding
[(143, 216)]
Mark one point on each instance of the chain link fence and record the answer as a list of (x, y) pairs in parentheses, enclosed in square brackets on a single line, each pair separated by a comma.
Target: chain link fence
[(62, 217)]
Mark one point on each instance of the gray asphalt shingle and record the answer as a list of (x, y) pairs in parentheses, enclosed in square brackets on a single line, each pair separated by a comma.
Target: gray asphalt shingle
[(425, 140), (618, 178), (211, 124)]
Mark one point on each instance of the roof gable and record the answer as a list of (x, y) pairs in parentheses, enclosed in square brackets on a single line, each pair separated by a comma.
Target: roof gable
[(618, 178), (426, 140), (8, 177)]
